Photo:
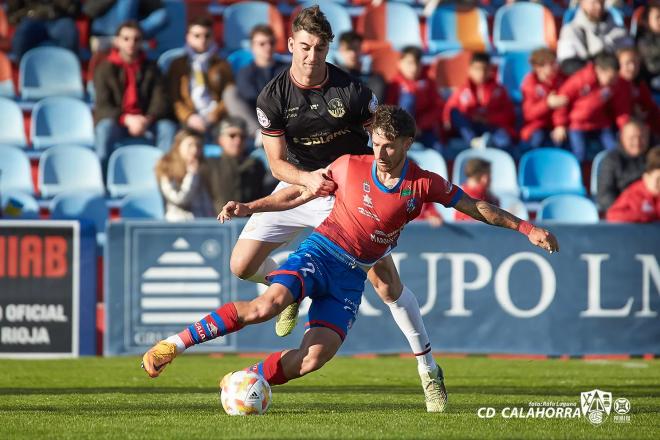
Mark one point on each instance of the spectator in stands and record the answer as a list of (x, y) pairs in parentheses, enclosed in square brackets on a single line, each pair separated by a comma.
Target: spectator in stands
[(251, 79), (417, 94), (235, 175), (349, 58), (180, 180), (624, 165), (643, 105), (108, 15), (648, 43), (540, 98), (477, 184), (597, 99), (198, 79), (481, 110), (130, 95), (640, 202), (39, 21), (591, 31)]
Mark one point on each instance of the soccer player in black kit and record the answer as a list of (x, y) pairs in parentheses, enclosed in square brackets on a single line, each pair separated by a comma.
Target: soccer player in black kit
[(310, 115)]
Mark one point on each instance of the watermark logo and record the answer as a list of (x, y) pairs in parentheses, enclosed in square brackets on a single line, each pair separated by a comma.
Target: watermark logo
[(596, 405)]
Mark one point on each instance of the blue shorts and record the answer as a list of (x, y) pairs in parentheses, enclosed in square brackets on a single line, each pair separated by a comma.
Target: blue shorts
[(333, 284)]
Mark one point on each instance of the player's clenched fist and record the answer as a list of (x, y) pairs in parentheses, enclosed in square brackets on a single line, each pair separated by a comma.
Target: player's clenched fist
[(233, 209), (320, 182), (543, 239)]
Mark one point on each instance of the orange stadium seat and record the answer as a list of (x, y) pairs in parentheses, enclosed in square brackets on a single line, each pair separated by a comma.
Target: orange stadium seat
[(390, 24)]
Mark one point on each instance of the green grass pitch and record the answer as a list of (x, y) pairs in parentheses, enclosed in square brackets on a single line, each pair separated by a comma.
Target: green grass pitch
[(349, 398)]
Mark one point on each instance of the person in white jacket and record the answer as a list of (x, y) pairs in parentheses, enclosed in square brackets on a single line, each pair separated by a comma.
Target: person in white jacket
[(181, 184)]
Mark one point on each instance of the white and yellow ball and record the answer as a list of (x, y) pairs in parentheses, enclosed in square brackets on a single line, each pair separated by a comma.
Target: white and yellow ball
[(244, 393)]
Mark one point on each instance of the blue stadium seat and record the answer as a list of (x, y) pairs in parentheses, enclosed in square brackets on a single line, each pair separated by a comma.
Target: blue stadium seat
[(82, 205), (568, 208), (402, 26), (12, 130), (143, 204), (503, 170), (433, 161), (50, 71), (240, 18), (595, 169), (166, 58), (69, 168), (523, 27), (513, 205), (336, 14), (513, 69), (18, 205), (15, 171), (617, 15), (546, 172), (450, 28), (131, 168), (173, 35), (238, 59), (260, 154), (212, 150), (61, 120)]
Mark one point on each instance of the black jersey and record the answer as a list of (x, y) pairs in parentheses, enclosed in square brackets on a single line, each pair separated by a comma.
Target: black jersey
[(319, 123)]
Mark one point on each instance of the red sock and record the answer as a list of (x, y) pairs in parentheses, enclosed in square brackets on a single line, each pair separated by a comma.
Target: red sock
[(271, 369), (218, 323)]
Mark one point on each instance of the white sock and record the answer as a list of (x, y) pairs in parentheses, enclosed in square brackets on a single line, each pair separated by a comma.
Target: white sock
[(266, 267), (176, 340), (405, 311)]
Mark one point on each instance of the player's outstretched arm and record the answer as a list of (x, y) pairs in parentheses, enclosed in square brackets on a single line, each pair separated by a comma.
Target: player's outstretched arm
[(492, 215), (286, 198)]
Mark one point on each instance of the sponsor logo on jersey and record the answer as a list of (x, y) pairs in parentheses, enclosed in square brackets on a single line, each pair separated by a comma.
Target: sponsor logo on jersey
[(367, 201), (336, 108), (262, 118), (369, 214), (373, 104), (316, 140), (406, 192)]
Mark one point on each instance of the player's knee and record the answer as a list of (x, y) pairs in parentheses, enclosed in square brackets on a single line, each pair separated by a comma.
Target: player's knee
[(241, 267)]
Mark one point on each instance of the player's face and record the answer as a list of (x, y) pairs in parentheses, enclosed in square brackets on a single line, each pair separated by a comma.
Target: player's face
[(308, 53), (389, 154), (199, 38), (128, 43), (628, 65)]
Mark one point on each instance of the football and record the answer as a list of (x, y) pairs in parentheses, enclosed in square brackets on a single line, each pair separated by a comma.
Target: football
[(244, 393)]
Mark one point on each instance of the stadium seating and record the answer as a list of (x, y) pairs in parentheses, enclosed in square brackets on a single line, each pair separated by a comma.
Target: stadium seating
[(617, 16), (450, 69), (82, 205), (513, 205), (166, 58), (18, 205), (49, 71), (429, 159), (6, 83), (595, 169), (69, 168), (503, 170), (131, 168), (636, 21), (454, 28), (513, 69), (260, 154), (173, 35), (61, 120), (523, 27), (12, 131), (15, 172), (390, 24), (568, 208), (545, 172), (336, 14), (240, 18), (384, 61), (143, 204), (239, 58)]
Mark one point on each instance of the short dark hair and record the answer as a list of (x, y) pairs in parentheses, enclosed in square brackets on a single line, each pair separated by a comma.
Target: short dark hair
[(393, 122), (480, 57), (542, 56), (349, 37), (262, 29), (129, 24), (312, 20), (413, 51), (201, 20), (606, 61), (476, 167), (653, 159)]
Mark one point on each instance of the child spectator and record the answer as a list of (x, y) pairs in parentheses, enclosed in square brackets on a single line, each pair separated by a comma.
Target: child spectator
[(540, 98), (477, 184), (596, 101), (648, 43), (640, 202), (481, 110), (417, 95), (643, 105), (186, 193), (349, 58)]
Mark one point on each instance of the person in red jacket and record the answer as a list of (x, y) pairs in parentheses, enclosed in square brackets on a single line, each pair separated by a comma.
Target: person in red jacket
[(477, 184), (540, 98), (417, 94), (596, 101), (481, 110), (640, 202), (644, 107)]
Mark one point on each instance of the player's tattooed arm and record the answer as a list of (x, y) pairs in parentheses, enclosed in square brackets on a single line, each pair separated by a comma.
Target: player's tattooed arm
[(492, 215), (286, 198)]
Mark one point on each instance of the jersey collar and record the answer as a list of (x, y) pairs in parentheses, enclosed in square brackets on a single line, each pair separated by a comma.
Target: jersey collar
[(318, 86), (382, 187)]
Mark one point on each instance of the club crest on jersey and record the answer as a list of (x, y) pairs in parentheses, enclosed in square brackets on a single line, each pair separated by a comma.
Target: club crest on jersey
[(365, 187), (262, 118), (411, 205), (336, 108)]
